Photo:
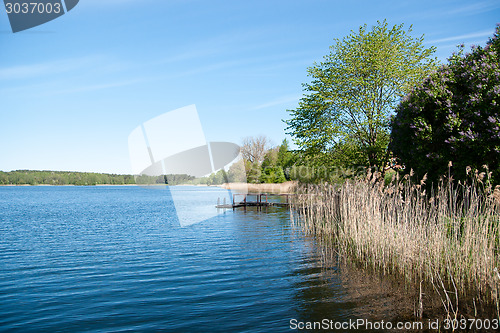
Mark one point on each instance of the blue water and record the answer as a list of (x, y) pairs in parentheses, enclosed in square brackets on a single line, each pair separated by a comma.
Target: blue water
[(114, 259)]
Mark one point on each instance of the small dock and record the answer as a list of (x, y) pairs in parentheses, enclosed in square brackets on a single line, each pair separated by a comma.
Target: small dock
[(256, 200)]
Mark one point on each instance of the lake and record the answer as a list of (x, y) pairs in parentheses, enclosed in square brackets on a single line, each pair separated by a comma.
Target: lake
[(113, 259)]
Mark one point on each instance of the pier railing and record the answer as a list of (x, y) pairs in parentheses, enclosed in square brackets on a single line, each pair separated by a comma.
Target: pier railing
[(257, 199)]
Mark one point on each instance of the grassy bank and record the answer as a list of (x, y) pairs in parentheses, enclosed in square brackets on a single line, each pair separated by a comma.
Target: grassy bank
[(448, 241)]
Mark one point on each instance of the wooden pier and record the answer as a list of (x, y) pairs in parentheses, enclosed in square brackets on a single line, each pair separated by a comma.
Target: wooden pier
[(256, 200)]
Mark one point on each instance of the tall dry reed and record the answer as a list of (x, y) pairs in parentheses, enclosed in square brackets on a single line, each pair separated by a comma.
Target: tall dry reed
[(449, 239)]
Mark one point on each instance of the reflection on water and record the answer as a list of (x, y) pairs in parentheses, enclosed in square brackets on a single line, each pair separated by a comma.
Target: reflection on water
[(375, 297), (88, 259)]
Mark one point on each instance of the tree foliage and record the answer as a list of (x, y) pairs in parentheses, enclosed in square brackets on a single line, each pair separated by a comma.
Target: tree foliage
[(270, 165), (264, 163), (276, 164), (454, 115), (347, 105), (34, 177)]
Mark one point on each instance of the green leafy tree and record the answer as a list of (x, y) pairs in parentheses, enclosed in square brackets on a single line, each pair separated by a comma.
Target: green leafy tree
[(253, 151), (237, 173), (271, 158), (273, 174), (253, 171), (218, 178), (4, 179), (285, 158), (347, 105), (270, 167), (454, 115)]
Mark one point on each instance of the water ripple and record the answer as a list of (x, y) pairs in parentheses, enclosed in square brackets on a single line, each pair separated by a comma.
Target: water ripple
[(112, 259)]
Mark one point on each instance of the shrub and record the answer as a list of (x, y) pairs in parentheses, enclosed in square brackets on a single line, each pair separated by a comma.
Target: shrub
[(454, 115)]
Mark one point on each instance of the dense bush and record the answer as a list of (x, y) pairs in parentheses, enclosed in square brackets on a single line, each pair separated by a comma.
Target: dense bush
[(453, 116)]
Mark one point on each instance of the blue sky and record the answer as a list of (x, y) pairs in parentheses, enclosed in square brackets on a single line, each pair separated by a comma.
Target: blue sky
[(73, 89)]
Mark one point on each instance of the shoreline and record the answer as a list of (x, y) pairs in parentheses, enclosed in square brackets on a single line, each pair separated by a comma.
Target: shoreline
[(278, 188), (284, 188), (27, 185)]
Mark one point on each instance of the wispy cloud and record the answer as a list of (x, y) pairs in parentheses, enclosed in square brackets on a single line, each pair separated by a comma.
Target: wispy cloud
[(475, 8), (229, 43), (46, 68), (278, 101), (441, 10), (58, 87), (94, 87), (462, 38), (212, 67)]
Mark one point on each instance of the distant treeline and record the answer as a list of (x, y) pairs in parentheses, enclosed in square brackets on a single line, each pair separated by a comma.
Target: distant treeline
[(165, 179), (261, 163), (33, 177)]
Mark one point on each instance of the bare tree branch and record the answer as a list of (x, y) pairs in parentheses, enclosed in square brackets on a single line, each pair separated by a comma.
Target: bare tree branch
[(253, 149)]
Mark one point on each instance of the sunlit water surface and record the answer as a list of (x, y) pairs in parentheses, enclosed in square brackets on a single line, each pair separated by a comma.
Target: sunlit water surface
[(112, 259)]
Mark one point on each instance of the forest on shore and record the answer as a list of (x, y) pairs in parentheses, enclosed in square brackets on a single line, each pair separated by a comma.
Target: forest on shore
[(35, 177), (263, 163)]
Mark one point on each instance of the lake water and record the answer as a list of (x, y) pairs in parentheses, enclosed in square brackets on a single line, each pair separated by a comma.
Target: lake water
[(112, 259)]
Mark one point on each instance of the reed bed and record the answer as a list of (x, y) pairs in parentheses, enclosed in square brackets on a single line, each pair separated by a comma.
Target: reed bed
[(448, 239)]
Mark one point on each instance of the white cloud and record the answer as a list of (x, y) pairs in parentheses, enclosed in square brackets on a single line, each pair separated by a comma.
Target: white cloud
[(462, 38), (476, 8), (278, 101)]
